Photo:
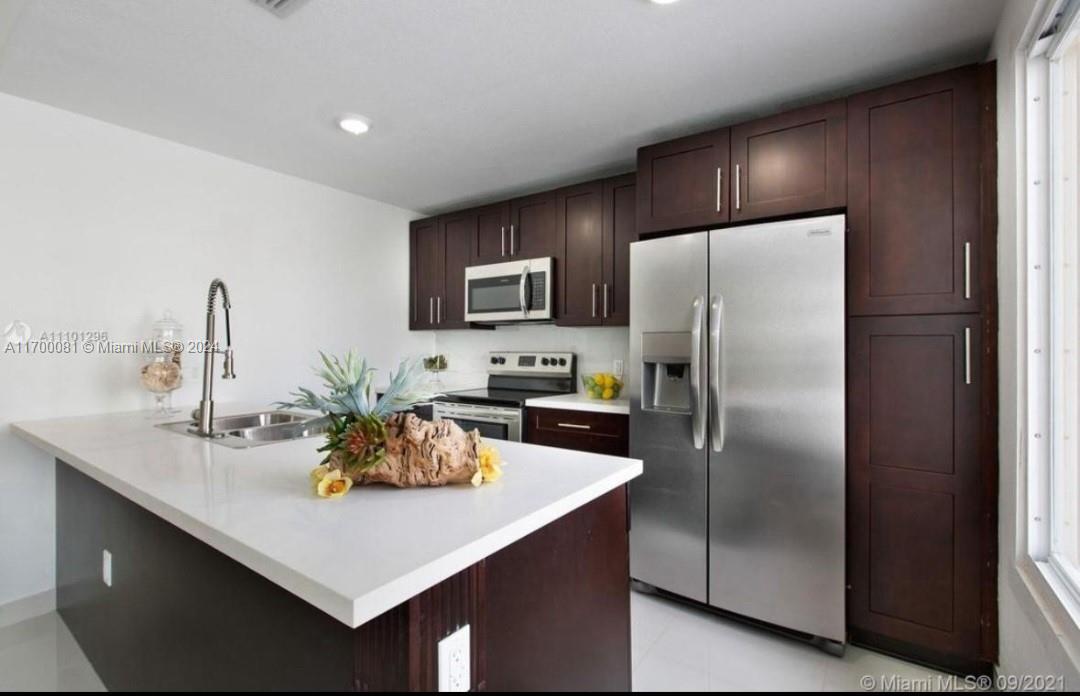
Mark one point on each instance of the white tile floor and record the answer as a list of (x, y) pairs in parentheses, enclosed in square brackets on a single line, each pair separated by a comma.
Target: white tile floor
[(676, 648), (40, 654), (679, 648)]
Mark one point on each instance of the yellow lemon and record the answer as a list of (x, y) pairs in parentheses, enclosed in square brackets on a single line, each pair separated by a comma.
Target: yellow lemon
[(609, 393)]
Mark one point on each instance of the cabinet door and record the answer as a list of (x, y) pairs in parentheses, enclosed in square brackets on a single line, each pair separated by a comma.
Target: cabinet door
[(683, 183), (580, 275), (492, 226), (620, 231), (427, 272), (913, 197), (457, 232), (795, 162), (915, 486), (532, 231)]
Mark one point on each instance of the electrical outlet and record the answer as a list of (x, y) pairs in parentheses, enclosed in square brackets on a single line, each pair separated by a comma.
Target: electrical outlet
[(616, 367), (454, 661), (106, 567)]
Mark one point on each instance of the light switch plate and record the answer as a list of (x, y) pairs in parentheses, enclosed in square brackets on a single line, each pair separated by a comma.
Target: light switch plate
[(454, 661), (106, 567), (617, 367)]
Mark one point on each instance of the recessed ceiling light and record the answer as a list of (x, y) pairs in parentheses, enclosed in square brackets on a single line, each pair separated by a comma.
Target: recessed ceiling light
[(662, 2), (354, 125)]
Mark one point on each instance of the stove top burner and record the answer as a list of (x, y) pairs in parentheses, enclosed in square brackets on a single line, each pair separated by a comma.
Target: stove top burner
[(494, 396)]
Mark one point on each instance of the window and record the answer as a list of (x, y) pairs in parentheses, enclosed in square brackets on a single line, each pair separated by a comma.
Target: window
[(1053, 298)]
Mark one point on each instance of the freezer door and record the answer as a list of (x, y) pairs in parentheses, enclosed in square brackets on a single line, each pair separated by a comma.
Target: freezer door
[(776, 446), (666, 383)]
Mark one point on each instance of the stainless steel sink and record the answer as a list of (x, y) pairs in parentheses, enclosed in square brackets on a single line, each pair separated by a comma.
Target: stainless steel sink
[(254, 429)]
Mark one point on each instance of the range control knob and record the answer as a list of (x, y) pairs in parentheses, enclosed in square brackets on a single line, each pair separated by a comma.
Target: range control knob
[(502, 361), (562, 362), (494, 360), (544, 361)]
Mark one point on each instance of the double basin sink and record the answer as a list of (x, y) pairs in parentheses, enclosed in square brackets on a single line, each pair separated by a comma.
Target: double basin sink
[(254, 429)]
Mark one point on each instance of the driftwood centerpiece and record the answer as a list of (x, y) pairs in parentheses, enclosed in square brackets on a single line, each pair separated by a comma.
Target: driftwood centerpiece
[(419, 453), (379, 443)]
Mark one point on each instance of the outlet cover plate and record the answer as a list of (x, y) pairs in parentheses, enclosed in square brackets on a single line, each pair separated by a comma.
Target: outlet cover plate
[(454, 660)]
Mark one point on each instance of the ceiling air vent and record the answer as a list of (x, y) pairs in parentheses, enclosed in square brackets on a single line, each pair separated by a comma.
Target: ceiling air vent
[(281, 8)]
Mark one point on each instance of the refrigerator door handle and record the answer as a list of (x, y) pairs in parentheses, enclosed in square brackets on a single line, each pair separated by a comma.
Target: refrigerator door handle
[(697, 405), (716, 407)]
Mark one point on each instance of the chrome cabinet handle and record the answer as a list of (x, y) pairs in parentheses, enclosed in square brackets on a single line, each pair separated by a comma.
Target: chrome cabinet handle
[(738, 192), (431, 310), (697, 410), (512, 252), (521, 286), (594, 299), (719, 180), (967, 355), (576, 426), (605, 301), (716, 380), (438, 309), (502, 236), (967, 270)]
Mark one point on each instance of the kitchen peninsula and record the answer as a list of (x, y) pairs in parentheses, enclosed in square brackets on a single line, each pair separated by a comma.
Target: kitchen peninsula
[(183, 564)]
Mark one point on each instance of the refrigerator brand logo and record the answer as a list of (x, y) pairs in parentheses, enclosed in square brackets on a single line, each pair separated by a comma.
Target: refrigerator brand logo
[(17, 333)]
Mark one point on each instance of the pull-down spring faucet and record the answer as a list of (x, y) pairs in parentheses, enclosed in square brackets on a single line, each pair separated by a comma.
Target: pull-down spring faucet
[(205, 413)]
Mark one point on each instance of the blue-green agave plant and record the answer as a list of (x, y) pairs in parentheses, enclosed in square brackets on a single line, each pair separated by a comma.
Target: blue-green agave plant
[(356, 428), (348, 383)]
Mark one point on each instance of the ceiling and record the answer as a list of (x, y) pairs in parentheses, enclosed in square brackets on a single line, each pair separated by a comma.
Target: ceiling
[(470, 100)]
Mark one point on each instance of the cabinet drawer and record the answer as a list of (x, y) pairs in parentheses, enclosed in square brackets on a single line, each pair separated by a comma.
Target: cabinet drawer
[(605, 433)]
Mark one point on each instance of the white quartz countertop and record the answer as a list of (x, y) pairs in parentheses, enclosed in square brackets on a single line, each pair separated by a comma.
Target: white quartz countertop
[(354, 557), (581, 402)]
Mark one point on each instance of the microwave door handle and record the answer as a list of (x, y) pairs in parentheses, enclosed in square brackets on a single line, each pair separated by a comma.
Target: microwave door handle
[(716, 408), (697, 407), (521, 291)]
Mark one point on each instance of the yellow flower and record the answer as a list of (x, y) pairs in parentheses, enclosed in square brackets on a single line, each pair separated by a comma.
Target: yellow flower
[(317, 474), (333, 485), (490, 463)]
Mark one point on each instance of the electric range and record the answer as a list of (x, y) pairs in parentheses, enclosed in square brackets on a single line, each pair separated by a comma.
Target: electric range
[(498, 410)]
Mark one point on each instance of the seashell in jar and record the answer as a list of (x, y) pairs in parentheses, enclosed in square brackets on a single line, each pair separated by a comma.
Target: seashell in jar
[(160, 377)]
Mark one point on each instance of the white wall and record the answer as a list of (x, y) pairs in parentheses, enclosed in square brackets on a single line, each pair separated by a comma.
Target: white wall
[(466, 351), (102, 228), (1028, 643)]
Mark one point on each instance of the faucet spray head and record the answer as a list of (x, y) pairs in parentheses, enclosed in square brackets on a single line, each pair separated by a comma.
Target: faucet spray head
[(228, 372)]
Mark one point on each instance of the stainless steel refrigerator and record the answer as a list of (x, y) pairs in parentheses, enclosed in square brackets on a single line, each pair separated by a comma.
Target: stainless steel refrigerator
[(736, 384)]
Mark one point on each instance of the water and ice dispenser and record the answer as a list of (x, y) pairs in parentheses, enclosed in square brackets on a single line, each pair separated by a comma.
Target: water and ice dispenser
[(665, 364)]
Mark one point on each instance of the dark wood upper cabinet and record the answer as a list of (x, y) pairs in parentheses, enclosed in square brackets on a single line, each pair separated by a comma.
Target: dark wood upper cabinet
[(683, 183), (457, 233), (620, 231), (580, 276), (426, 272), (793, 162), (915, 483), (492, 225), (914, 196), (596, 223), (532, 232)]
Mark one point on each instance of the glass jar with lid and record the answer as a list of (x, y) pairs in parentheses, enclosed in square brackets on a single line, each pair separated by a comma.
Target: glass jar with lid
[(162, 370)]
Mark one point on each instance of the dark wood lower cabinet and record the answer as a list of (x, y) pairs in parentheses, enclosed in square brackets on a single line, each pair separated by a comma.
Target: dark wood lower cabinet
[(588, 431), (550, 611), (916, 497)]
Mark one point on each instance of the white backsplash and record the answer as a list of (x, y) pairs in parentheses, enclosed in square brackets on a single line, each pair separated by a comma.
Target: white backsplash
[(466, 351)]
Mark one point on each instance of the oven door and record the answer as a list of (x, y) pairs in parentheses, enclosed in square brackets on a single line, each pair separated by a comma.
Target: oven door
[(511, 291), (492, 421)]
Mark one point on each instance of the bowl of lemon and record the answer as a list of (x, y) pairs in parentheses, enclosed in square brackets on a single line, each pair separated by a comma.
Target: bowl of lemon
[(602, 385)]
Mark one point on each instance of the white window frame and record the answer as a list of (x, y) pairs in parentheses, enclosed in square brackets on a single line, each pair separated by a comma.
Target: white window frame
[(1044, 233)]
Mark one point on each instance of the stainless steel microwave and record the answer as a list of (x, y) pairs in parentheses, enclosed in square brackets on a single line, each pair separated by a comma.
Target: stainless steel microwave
[(511, 291)]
